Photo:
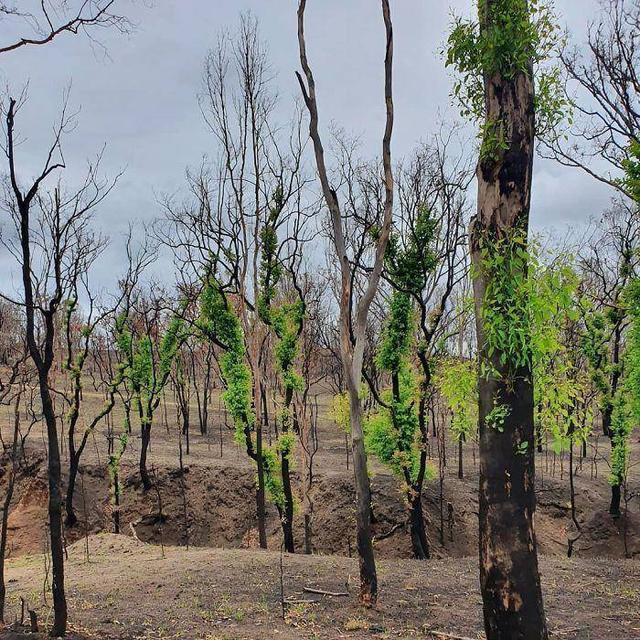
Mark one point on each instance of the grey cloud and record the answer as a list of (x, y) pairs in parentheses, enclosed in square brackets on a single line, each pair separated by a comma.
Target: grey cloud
[(141, 101)]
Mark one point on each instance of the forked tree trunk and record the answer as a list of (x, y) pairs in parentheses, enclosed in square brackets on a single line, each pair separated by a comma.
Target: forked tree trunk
[(353, 329), (509, 576), (42, 354)]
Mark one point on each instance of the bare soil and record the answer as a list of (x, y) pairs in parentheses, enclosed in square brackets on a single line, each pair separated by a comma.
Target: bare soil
[(130, 590), (223, 587)]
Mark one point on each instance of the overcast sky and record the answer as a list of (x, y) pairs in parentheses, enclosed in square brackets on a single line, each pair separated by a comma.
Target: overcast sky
[(141, 99)]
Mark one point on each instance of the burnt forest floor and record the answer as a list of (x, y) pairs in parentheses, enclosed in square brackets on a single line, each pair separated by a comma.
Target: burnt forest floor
[(224, 588), (130, 590)]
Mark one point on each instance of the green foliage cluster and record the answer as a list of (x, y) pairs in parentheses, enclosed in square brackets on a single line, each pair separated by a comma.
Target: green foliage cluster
[(506, 311), (73, 367), (626, 402), (392, 434), (408, 261), (144, 369), (219, 322), (396, 339), (530, 316), (272, 463), (340, 411), (631, 165), (621, 429), (457, 381), (174, 336), (632, 354), (496, 418), (113, 463), (595, 346), (270, 267), (272, 476), (560, 381), (510, 37), (286, 321)]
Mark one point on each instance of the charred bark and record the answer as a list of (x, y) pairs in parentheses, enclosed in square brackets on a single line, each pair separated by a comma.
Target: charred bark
[(419, 541), (509, 576)]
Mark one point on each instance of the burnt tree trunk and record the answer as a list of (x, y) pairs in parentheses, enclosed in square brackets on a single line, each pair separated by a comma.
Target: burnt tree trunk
[(44, 361), (607, 414), (286, 512), (261, 423), (419, 542), (509, 576), (260, 491), (145, 439), (40, 342), (74, 464), (116, 501), (55, 510)]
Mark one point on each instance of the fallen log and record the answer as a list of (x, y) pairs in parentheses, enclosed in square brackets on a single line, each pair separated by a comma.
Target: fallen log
[(321, 592)]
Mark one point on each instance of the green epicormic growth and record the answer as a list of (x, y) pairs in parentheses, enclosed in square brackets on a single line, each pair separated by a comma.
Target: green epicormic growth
[(410, 257), (392, 433), (561, 383), (626, 402), (218, 322), (595, 346), (286, 320), (270, 267), (144, 370), (457, 382), (506, 312), (529, 312), (510, 37), (631, 180), (396, 340)]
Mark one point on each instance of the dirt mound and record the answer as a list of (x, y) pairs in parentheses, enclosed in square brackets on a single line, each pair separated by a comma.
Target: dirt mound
[(603, 535)]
